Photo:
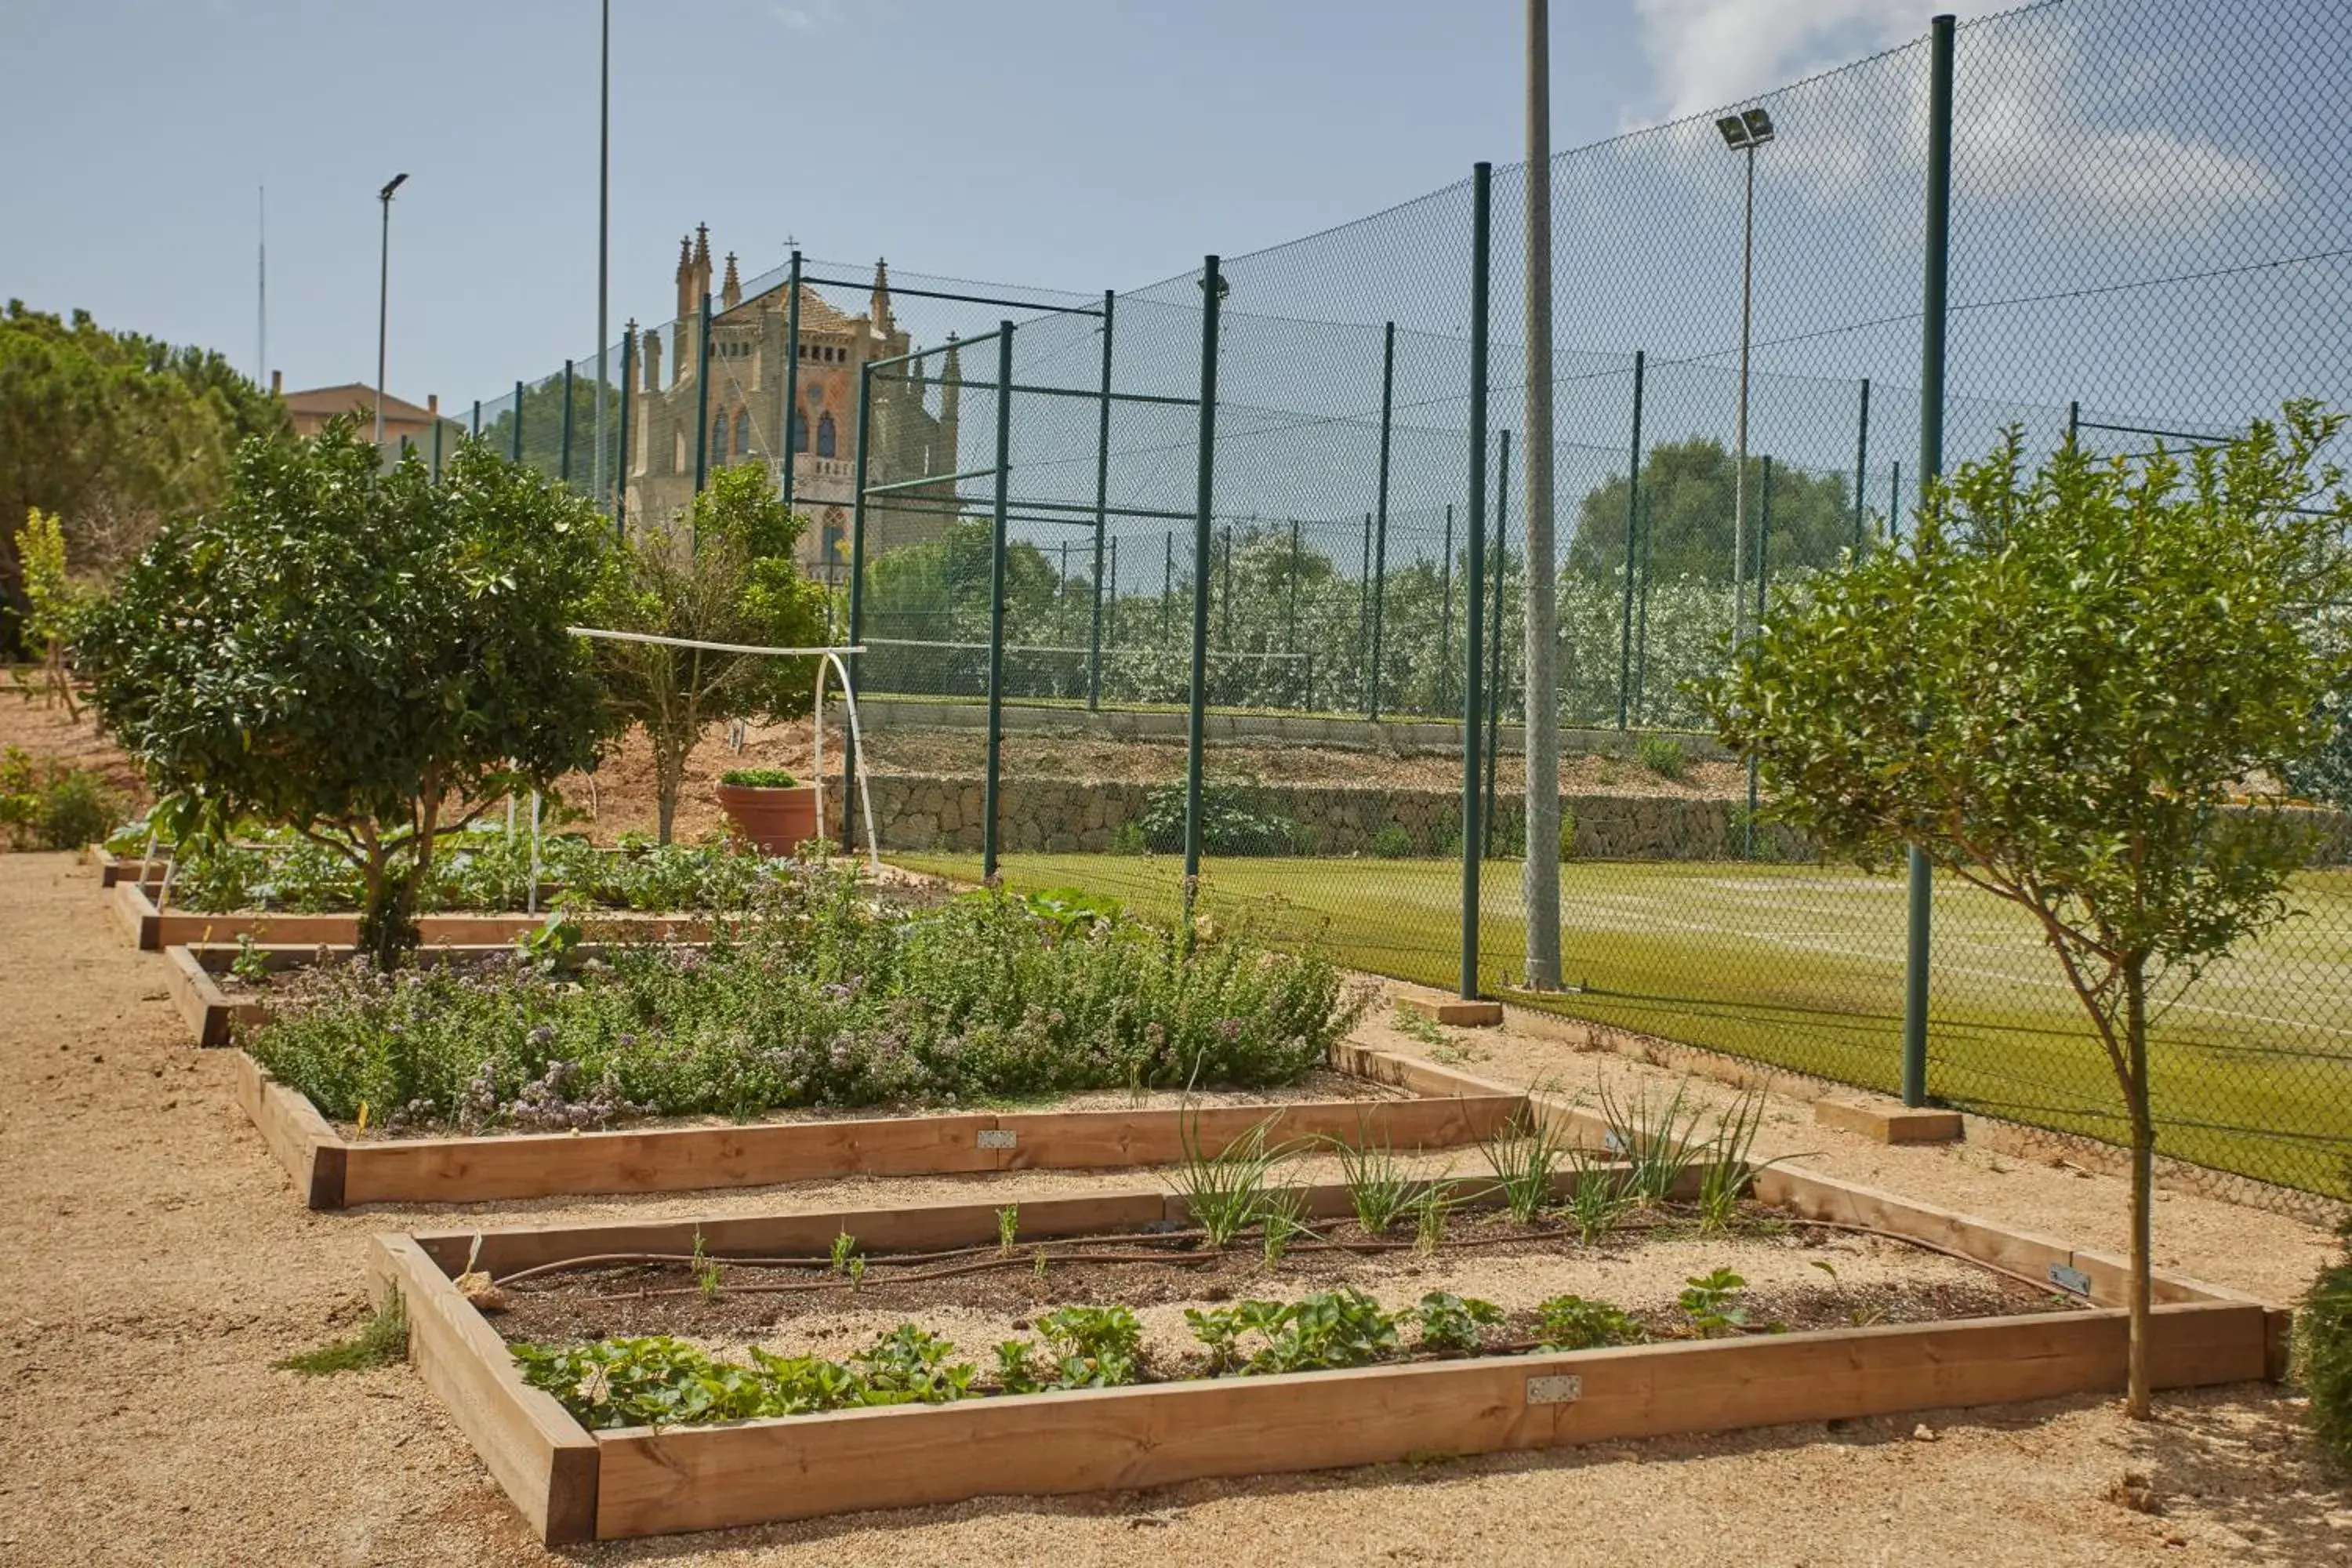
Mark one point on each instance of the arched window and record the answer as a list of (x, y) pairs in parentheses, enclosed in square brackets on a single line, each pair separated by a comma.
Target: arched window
[(718, 439), (742, 434), (800, 432), (825, 435)]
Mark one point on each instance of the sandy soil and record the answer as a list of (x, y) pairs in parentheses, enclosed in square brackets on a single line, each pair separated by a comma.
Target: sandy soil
[(159, 1263), (33, 726)]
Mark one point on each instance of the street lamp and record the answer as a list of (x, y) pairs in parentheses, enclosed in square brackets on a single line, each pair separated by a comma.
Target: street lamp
[(383, 299), (1743, 132)]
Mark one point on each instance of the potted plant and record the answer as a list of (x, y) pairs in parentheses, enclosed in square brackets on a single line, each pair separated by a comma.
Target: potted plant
[(769, 807)]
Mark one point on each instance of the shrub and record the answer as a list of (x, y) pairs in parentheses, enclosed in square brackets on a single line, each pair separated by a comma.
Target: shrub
[(1662, 754), (759, 778), (1234, 820), (2324, 1354), (819, 998), (1392, 843), (1126, 838), (50, 804)]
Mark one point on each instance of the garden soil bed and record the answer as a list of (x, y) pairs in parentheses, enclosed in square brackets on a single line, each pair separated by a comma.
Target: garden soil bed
[(1357, 1099), (573, 1485), (159, 1273)]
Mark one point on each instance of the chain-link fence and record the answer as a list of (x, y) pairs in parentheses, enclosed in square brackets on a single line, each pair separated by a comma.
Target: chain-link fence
[(1278, 510)]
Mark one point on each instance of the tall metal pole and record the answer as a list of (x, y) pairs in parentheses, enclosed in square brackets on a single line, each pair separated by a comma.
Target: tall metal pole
[(603, 238), (261, 287), (786, 462), (1861, 467), (856, 590), (1380, 533), (1763, 569), (1473, 572), (438, 425), (1211, 287), (2074, 422), (564, 458), (1632, 502), (514, 436), (1539, 876), (702, 395), (621, 442), (988, 811), (383, 299), (1495, 642), (1739, 439), (1102, 511), (1934, 303)]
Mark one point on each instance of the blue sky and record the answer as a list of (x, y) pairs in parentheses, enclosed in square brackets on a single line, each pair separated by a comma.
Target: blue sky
[(1057, 142)]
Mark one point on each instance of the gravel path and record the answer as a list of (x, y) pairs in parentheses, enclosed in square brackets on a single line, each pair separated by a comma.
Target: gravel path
[(159, 1265)]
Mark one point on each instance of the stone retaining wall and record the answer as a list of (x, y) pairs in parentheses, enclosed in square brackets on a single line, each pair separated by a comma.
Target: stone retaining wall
[(1075, 817)]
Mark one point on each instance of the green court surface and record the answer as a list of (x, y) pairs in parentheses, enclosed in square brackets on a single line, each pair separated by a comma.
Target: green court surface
[(1802, 966)]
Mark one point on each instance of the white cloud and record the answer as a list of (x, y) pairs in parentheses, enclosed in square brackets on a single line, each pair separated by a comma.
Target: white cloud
[(2046, 123), (807, 15)]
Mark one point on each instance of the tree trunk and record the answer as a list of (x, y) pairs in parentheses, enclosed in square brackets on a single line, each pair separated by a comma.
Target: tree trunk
[(387, 933), (2143, 1180), (669, 782)]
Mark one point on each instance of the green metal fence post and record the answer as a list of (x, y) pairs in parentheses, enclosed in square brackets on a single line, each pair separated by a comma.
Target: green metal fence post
[(702, 396), (1473, 618), (564, 460), (1860, 466), (436, 450), (478, 418), (1931, 463), (987, 813), (1445, 607), (1632, 500), (620, 470), (1290, 614), (1763, 569), (1381, 527), (785, 454), (1212, 287), (856, 593), (1102, 509), (1225, 591), (1895, 503), (2074, 422), (1166, 581), (1494, 693), (514, 437)]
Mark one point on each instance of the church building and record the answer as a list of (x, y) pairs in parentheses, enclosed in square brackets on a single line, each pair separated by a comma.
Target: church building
[(906, 438)]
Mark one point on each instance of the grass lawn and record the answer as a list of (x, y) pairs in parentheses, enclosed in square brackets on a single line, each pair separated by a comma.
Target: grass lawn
[(1802, 966)]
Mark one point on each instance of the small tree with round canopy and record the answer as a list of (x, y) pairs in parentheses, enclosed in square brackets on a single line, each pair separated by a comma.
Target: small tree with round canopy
[(2062, 690), (363, 655)]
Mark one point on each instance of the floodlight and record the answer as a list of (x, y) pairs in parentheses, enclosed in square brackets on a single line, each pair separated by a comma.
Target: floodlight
[(1735, 131), (393, 184), (1760, 125)]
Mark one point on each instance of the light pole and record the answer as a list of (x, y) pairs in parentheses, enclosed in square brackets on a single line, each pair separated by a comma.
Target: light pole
[(604, 233), (1539, 870), (383, 299), (1743, 133)]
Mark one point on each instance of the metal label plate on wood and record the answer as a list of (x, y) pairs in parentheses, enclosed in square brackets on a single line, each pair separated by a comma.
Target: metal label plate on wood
[(2071, 1280), (1565, 1389), (999, 1138)]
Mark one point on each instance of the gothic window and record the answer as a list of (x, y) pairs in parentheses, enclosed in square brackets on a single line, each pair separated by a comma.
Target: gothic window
[(742, 434), (718, 439), (800, 432), (825, 435)]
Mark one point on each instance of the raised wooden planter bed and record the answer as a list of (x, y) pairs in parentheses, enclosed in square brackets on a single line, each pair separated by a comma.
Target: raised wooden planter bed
[(575, 1485), (334, 1172), (214, 1011), (153, 930)]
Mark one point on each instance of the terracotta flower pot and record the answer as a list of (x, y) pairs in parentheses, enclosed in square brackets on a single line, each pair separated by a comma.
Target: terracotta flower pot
[(777, 820)]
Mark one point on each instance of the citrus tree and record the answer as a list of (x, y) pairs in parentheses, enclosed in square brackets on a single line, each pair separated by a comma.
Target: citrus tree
[(2062, 690), (369, 658), (722, 573)]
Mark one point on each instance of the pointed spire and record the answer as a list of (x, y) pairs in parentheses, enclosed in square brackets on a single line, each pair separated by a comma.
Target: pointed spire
[(702, 244), (685, 274), (880, 314), (951, 372), (732, 295)]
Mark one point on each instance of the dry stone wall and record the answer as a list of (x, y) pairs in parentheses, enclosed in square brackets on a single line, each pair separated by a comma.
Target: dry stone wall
[(1064, 816)]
